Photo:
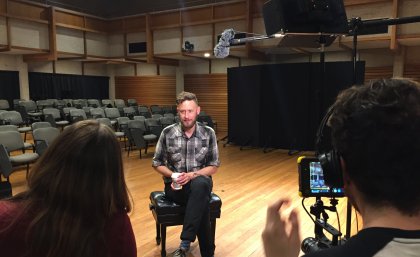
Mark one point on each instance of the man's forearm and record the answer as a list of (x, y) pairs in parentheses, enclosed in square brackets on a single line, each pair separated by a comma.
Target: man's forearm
[(164, 171), (206, 171)]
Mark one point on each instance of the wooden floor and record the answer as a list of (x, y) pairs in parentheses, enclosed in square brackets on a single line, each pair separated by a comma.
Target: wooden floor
[(247, 181)]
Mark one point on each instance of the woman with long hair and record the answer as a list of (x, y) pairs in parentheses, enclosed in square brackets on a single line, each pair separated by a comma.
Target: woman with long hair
[(76, 203)]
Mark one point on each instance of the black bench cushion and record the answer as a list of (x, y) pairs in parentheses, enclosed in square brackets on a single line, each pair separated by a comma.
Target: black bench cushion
[(164, 206)]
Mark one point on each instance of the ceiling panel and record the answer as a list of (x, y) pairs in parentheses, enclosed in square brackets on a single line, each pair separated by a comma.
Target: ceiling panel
[(120, 8)]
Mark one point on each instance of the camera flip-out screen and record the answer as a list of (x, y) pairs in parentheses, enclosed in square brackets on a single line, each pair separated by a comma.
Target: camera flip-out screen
[(311, 179)]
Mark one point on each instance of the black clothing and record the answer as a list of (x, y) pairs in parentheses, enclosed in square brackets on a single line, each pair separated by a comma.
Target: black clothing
[(375, 242), (196, 196)]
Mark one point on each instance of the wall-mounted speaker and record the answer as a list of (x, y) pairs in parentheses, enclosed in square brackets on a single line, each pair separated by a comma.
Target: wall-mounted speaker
[(137, 47)]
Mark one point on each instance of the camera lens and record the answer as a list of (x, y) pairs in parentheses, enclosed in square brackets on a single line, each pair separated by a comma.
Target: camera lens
[(310, 245)]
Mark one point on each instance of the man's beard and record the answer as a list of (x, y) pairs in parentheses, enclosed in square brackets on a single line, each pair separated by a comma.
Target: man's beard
[(190, 125)]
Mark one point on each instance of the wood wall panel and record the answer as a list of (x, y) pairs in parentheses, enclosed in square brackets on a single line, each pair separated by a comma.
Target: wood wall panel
[(360, 2), (169, 19), (137, 23), (3, 6), (256, 7), (378, 73), (211, 91), (412, 71), (229, 10), (70, 19), (27, 11), (147, 90), (115, 25), (95, 24), (196, 15)]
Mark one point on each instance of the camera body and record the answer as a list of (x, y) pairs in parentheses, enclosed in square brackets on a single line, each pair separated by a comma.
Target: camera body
[(311, 179)]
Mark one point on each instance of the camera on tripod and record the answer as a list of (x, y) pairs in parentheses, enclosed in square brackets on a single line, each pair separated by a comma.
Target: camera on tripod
[(312, 184)]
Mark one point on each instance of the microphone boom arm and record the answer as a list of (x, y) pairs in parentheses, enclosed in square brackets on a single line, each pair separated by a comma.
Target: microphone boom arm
[(249, 39)]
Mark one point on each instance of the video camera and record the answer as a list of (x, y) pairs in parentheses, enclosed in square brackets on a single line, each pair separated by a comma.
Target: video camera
[(311, 179), (312, 184)]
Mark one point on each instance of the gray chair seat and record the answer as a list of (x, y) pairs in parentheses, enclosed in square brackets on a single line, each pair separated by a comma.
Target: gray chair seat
[(119, 134), (28, 145), (24, 158), (35, 114), (62, 122), (24, 129), (150, 137)]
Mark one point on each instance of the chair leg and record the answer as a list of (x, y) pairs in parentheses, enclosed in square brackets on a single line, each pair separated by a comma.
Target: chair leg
[(213, 230), (163, 234), (158, 233), (27, 170)]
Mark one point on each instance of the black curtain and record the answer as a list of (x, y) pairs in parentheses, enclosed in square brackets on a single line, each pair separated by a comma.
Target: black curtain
[(66, 86), (9, 86), (244, 106), (284, 103)]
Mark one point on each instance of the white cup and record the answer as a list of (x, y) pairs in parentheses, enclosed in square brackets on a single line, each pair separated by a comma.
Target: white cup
[(174, 177)]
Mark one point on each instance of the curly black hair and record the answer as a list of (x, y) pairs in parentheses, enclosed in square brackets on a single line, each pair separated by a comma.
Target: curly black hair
[(376, 129)]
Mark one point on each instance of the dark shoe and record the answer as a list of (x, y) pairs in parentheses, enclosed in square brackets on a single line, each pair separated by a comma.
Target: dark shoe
[(179, 253)]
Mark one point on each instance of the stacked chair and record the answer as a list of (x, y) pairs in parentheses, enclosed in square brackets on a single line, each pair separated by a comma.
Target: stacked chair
[(15, 118), (53, 116), (43, 137), (4, 105), (138, 136), (12, 142)]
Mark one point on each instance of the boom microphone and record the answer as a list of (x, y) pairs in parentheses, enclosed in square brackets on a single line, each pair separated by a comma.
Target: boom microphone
[(221, 50)]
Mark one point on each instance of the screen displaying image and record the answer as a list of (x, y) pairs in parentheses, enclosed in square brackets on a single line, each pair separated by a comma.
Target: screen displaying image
[(317, 183)]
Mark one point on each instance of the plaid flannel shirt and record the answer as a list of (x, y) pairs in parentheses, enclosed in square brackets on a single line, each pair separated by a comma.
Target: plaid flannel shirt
[(181, 154)]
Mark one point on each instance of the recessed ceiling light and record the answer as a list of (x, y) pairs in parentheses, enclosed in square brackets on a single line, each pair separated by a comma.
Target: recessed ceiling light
[(207, 55)]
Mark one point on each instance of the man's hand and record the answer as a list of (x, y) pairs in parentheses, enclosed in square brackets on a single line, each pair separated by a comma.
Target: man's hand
[(185, 177), (281, 233)]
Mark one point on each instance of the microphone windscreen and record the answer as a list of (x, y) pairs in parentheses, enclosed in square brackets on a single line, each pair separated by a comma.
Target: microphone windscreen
[(221, 51), (226, 37)]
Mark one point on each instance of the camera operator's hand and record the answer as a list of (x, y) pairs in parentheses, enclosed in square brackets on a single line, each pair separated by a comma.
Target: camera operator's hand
[(281, 234)]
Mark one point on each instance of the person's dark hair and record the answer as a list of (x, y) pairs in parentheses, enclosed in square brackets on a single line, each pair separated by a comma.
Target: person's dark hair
[(376, 129), (186, 96), (73, 189)]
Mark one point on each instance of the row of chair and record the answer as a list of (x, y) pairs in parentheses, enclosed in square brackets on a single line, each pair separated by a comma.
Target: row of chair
[(33, 110), (32, 106), (41, 104)]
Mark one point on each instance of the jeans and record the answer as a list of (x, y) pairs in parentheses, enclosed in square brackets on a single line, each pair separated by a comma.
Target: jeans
[(195, 196)]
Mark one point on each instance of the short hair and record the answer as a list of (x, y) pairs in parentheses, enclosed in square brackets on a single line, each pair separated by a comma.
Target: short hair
[(186, 96), (376, 129)]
